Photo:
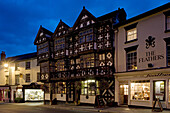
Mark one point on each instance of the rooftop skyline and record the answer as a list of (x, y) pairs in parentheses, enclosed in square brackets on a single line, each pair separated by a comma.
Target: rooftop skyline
[(21, 19)]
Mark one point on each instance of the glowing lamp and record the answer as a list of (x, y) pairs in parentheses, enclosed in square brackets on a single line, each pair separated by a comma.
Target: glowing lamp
[(5, 65)]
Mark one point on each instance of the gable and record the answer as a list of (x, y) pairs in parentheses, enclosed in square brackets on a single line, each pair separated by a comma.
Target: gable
[(61, 29), (42, 35), (84, 19)]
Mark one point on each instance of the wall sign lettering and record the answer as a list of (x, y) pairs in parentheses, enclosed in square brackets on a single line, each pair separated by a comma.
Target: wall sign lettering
[(151, 56), (157, 75)]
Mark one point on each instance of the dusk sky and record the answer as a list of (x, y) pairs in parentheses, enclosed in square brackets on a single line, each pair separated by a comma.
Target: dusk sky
[(21, 19)]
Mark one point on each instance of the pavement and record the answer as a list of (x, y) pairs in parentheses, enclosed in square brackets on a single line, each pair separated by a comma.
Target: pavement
[(122, 109), (90, 109)]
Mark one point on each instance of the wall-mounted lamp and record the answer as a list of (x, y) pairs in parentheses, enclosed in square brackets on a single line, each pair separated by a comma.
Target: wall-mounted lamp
[(6, 65)]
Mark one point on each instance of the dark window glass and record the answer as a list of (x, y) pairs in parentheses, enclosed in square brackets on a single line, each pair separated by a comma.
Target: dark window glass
[(27, 65), (16, 79), (27, 78)]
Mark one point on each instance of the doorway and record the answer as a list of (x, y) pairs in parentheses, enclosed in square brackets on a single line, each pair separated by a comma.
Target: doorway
[(124, 94), (159, 90), (70, 92)]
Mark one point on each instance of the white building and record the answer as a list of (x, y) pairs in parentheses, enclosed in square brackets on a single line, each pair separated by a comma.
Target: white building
[(20, 78), (142, 59)]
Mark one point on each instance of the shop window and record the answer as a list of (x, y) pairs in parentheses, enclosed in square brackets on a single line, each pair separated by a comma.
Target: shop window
[(60, 87), (34, 95), (90, 87), (16, 79), (131, 60), (27, 78), (38, 77), (168, 54), (27, 65), (159, 90), (140, 90)]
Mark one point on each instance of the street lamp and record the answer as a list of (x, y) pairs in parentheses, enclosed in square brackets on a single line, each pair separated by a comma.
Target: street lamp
[(6, 65)]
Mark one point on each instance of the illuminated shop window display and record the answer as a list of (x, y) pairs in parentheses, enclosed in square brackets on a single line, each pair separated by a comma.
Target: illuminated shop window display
[(140, 90), (34, 94)]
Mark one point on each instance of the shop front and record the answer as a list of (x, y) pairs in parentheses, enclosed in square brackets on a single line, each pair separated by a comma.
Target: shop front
[(32, 93), (142, 88), (5, 93)]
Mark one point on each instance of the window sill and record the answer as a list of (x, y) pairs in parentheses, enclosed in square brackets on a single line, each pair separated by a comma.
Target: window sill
[(166, 31), (131, 41)]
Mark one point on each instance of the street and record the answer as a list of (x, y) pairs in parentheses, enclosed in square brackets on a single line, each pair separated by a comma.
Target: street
[(33, 108)]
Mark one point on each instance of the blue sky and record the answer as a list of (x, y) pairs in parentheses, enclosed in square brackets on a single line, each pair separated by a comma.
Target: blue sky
[(21, 19)]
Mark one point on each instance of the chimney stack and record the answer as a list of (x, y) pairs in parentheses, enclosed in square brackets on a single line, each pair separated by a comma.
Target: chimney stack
[(3, 55)]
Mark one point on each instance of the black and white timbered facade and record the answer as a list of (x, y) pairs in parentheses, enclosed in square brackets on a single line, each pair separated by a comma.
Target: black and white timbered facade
[(77, 63)]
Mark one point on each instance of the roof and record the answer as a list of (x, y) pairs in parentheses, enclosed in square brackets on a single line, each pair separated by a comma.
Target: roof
[(148, 13), (22, 57), (111, 14)]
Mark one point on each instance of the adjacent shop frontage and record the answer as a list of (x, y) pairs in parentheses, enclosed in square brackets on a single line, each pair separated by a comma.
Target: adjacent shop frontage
[(142, 88), (5, 94), (32, 92)]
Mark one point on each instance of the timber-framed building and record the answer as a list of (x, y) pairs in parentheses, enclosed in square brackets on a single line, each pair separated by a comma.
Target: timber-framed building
[(77, 63)]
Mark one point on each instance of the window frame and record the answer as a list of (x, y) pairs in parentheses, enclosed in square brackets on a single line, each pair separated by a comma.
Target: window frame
[(130, 50), (167, 14), (17, 80), (38, 77), (26, 78), (27, 67), (130, 27)]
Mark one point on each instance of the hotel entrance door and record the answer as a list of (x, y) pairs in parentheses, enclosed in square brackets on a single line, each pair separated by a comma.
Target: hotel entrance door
[(124, 94)]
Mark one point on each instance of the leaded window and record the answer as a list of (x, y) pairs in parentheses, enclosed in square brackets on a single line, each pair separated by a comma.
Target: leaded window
[(60, 65), (59, 44), (87, 61), (60, 87), (90, 87)]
